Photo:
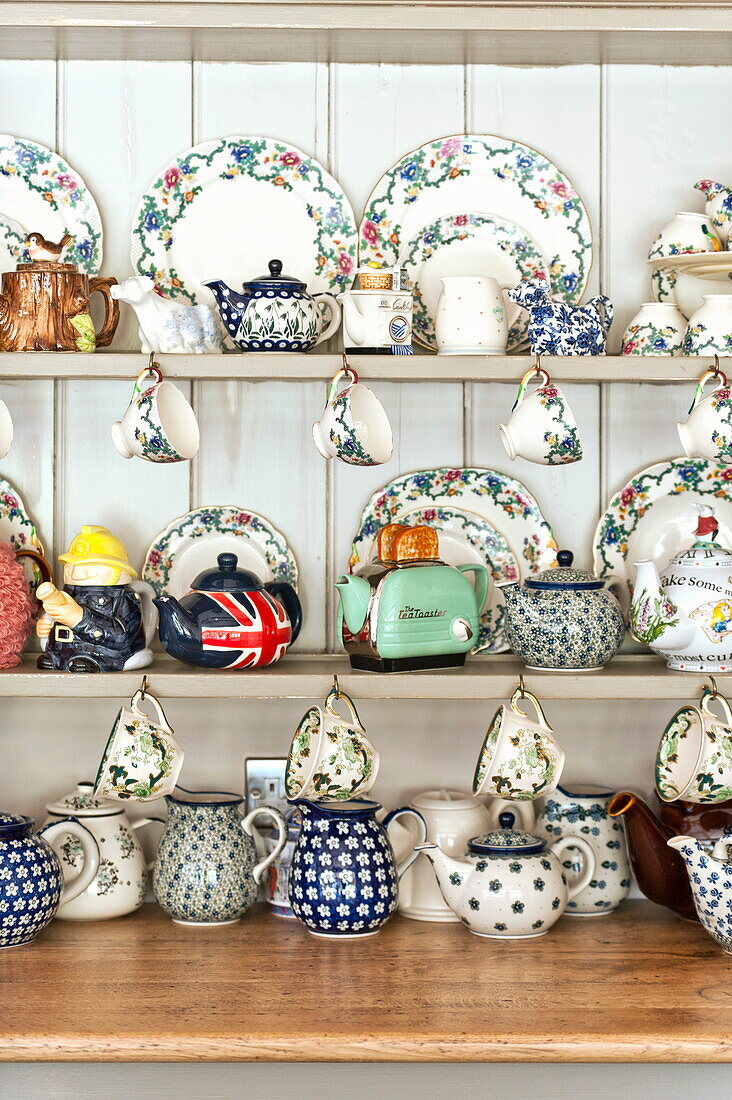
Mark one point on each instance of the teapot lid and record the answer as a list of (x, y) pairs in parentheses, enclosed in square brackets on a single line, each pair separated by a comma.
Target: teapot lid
[(227, 578), (275, 279), (15, 826), (82, 802), (564, 576), (506, 841)]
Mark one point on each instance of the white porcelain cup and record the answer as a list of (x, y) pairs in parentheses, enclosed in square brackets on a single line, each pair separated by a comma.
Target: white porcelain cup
[(710, 328), (658, 328), (686, 232), (6, 429), (354, 426), (331, 758), (519, 758), (473, 316), (142, 759), (694, 758), (708, 430), (541, 427), (159, 424)]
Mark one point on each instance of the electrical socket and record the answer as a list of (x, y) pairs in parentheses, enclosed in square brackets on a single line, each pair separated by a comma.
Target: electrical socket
[(264, 783)]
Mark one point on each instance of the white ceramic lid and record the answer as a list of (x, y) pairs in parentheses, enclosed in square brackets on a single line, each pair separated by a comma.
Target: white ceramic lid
[(445, 800), (83, 803)]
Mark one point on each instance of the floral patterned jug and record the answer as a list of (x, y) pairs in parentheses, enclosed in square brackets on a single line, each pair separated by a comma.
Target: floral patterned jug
[(344, 878), (583, 812)]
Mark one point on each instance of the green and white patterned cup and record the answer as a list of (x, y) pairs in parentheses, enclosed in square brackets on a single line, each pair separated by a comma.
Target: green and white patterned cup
[(354, 426), (541, 427), (142, 760), (159, 424), (331, 758), (694, 759), (520, 758)]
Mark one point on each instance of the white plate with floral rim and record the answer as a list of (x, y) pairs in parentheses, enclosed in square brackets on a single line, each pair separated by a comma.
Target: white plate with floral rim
[(504, 502), (41, 192), (225, 208), (469, 539), (482, 172), (193, 542), (468, 243), (653, 516)]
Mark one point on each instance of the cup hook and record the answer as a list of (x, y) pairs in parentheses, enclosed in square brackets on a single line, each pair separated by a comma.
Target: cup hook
[(714, 692), (335, 690), (143, 688)]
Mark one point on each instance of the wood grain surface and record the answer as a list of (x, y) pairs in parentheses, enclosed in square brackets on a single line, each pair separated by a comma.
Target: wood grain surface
[(637, 986)]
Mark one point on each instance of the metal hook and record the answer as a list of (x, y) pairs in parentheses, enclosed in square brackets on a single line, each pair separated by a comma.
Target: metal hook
[(522, 688), (714, 692), (143, 688), (335, 690)]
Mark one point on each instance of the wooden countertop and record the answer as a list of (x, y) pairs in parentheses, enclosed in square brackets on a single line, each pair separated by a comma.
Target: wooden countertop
[(637, 986)]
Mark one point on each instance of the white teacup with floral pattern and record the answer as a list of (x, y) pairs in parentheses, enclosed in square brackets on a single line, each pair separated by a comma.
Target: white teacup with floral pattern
[(354, 426), (142, 760), (330, 758), (694, 759), (708, 431), (542, 427), (520, 758), (658, 328), (159, 424)]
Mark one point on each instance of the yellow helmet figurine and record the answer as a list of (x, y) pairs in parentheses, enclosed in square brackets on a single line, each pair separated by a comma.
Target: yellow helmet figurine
[(98, 546)]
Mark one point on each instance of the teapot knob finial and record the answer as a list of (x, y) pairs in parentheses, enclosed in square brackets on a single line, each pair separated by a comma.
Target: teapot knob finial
[(565, 558), (507, 819), (275, 268), (227, 562)]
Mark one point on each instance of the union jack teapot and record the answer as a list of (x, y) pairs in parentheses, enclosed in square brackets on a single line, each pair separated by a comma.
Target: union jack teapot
[(230, 619)]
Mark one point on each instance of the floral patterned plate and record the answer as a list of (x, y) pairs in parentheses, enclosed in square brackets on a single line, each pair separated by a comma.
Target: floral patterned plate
[(192, 543), (40, 191), (225, 208), (17, 528), (512, 514), (467, 539), (13, 236), (468, 243), (653, 516), (482, 172)]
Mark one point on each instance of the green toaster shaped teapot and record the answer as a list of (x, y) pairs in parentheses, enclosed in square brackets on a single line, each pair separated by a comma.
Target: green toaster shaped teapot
[(410, 610)]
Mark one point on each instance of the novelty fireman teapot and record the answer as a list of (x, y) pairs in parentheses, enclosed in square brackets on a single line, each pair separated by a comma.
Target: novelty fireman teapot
[(686, 613), (230, 619)]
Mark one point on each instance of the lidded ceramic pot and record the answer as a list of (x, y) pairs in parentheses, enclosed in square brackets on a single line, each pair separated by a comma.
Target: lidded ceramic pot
[(120, 884), (563, 619)]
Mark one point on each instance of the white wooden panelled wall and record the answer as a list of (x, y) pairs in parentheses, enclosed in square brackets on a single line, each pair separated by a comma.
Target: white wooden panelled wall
[(633, 139)]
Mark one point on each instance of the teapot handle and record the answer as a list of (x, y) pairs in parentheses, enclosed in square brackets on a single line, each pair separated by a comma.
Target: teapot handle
[(323, 303), (43, 566), (407, 862), (481, 582), (585, 876), (288, 597), (139, 823), (111, 310), (618, 586), (247, 824), (146, 592), (89, 847)]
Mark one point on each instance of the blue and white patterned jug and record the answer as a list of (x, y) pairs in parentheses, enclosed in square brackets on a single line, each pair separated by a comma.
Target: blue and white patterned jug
[(31, 879), (344, 877)]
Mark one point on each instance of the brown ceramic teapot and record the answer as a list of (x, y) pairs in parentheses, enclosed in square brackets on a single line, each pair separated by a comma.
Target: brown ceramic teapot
[(44, 306)]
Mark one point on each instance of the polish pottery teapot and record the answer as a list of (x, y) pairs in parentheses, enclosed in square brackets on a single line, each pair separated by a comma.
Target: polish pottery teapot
[(563, 618), (511, 884), (120, 884), (710, 876), (275, 313), (31, 876), (230, 619), (686, 613), (344, 878), (416, 612)]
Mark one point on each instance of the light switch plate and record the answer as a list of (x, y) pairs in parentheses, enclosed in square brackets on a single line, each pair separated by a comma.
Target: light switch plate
[(264, 783)]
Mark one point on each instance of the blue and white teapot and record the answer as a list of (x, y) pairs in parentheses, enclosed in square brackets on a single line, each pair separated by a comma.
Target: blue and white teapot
[(31, 877), (275, 313)]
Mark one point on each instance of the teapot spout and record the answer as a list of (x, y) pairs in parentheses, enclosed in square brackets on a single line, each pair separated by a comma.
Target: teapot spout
[(179, 632), (353, 321), (354, 593), (232, 305), (654, 618), (449, 872)]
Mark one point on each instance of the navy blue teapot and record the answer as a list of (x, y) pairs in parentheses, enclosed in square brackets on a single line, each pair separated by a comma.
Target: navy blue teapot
[(275, 313), (230, 619)]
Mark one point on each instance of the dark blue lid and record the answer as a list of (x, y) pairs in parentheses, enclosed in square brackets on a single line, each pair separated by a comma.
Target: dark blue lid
[(227, 578), (275, 279), (506, 841), (15, 826)]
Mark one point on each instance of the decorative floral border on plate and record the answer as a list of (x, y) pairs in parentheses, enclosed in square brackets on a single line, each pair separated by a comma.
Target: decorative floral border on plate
[(166, 201), (539, 183), (498, 559), (226, 520), (509, 238), (49, 176), (634, 500), (533, 543)]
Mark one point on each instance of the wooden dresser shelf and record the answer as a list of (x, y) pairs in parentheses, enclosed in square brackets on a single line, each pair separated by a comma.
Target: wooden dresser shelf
[(306, 676), (637, 986)]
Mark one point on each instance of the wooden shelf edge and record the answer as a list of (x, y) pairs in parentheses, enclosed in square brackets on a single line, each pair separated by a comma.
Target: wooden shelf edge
[(280, 366), (632, 676)]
